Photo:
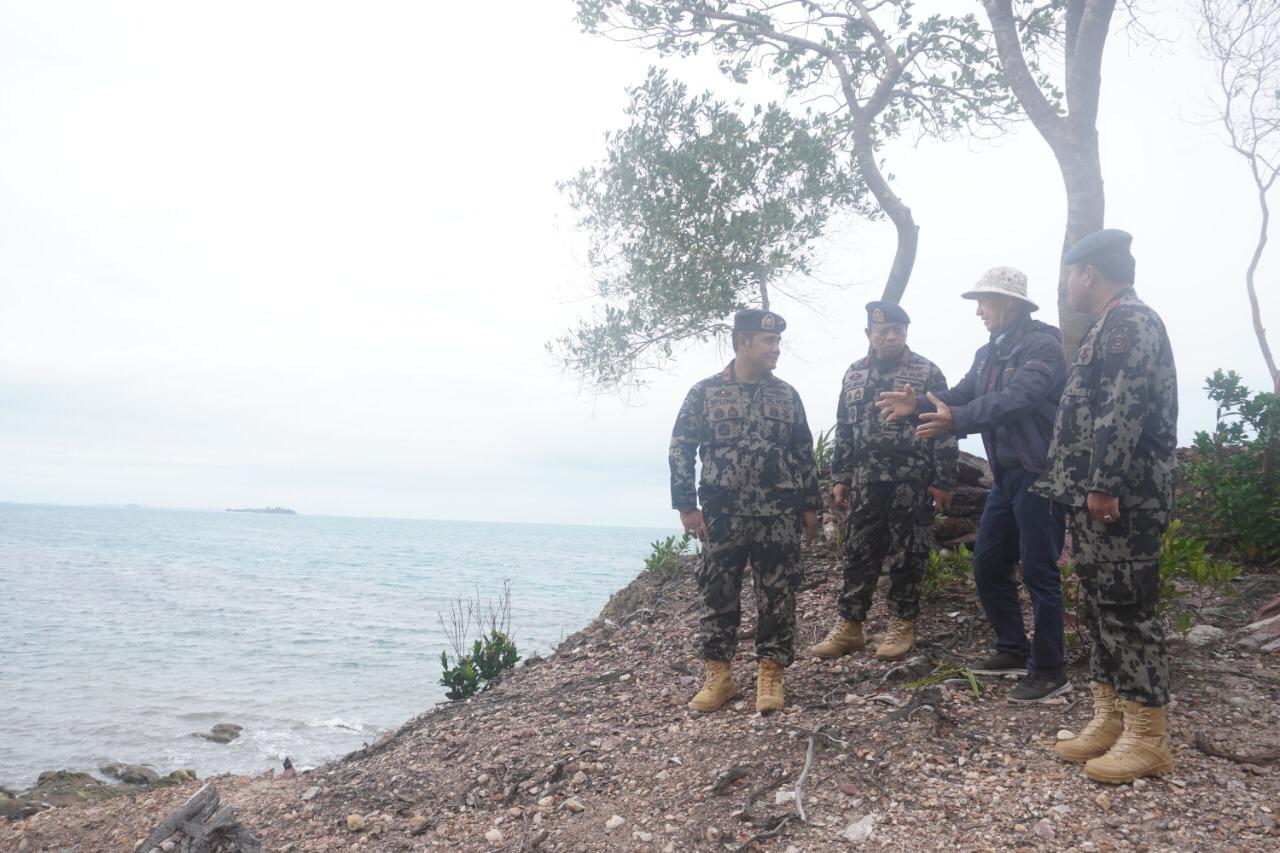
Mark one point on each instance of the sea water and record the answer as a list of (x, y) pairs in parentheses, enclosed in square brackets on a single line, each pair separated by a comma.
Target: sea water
[(123, 631)]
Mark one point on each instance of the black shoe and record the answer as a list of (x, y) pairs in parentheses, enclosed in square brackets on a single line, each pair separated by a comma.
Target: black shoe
[(1002, 663), (1040, 687)]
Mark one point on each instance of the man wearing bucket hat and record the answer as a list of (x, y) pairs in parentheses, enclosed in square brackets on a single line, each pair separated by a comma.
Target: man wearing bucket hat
[(1010, 395), (1112, 465)]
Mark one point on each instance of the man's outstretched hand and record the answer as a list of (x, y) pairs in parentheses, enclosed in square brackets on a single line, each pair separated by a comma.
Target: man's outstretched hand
[(935, 424), (897, 404)]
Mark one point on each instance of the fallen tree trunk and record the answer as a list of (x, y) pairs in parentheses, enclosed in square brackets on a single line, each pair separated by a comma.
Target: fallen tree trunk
[(201, 826)]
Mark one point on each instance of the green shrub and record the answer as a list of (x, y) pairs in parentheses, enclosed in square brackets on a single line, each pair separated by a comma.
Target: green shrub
[(824, 451), (946, 566), (492, 653), (461, 680), (664, 561), (1184, 559), (1229, 492)]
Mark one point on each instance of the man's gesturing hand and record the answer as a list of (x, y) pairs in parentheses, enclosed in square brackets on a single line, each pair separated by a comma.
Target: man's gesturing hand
[(897, 404), (935, 424), (840, 494)]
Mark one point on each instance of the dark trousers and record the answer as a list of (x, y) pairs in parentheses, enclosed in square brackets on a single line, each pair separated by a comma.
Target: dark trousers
[(1018, 526)]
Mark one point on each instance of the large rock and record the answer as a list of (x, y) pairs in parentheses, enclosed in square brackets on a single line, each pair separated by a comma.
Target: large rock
[(15, 808), (130, 774), (65, 788), (974, 471), (221, 733)]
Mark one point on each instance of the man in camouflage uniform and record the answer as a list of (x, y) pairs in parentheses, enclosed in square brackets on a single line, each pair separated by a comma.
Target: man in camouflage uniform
[(1111, 464), (891, 481), (759, 486)]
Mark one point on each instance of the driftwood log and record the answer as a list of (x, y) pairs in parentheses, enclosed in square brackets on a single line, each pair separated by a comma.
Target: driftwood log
[(202, 826)]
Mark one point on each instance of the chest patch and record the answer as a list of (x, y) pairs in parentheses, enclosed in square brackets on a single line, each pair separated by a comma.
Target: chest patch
[(856, 378)]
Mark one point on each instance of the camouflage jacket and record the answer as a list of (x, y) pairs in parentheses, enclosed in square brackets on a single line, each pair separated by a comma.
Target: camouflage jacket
[(1117, 426), (869, 450), (754, 444)]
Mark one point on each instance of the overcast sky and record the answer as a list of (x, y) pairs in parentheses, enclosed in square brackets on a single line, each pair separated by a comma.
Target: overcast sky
[(309, 254)]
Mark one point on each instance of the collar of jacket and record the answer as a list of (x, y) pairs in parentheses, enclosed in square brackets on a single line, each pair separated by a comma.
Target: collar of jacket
[(905, 358), (1004, 340), (730, 374)]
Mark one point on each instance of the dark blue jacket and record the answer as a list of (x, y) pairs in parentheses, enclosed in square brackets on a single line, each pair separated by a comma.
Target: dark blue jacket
[(1011, 394)]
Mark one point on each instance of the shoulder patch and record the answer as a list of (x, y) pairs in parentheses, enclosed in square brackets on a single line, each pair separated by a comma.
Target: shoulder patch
[(1118, 343)]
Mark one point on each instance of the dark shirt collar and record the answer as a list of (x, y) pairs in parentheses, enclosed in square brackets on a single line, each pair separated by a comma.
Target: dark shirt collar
[(730, 374)]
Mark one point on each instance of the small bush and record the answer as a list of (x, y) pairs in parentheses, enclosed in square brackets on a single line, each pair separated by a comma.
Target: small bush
[(664, 561), (1230, 490), (492, 653), (946, 566), (1183, 561), (824, 451)]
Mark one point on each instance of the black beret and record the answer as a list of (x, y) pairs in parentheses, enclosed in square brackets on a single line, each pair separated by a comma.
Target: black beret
[(1108, 241), (886, 312), (758, 320)]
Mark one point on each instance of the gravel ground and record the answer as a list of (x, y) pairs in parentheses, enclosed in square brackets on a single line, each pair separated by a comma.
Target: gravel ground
[(593, 749)]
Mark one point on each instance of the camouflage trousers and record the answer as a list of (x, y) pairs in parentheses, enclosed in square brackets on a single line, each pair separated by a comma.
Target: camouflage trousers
[(772, 545), (886, 520), (1119, 569)]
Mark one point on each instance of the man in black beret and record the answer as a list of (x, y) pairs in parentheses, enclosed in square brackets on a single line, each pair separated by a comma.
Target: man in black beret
[(1111, 465), (890, 480), (759, 488)]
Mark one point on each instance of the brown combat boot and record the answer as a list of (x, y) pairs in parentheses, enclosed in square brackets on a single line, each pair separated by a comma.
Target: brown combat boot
[(1100, 733), (718, 689), (845, 637), (898, 639), (1141, 750), (769, 694)]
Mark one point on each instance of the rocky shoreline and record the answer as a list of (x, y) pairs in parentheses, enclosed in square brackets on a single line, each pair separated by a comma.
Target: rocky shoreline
[(58, 788), (593, 749)]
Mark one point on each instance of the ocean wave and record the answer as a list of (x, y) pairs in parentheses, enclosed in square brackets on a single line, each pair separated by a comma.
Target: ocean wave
[(339, 723)]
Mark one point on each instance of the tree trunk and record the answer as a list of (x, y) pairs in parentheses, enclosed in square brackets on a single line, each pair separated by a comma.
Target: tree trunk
[(1081, 166), (1258, 328), (904, 259)]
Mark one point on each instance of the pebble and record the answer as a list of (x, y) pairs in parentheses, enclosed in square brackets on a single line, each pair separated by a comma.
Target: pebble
[(781, 797), (1103, 801), (1066, 734), (574, 806), (547, 802), (860, 830), (493, 836), (580, 778), (1044, 829), (614, 822), (310, 793), (483, 779), (417, 822), (643, 837), (355, 822)]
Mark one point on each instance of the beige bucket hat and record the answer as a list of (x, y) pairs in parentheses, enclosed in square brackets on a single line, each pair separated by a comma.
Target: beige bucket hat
[(1005, 281)]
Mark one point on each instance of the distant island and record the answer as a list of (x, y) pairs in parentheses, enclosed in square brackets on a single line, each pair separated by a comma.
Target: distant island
[(274, 510)]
